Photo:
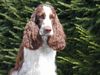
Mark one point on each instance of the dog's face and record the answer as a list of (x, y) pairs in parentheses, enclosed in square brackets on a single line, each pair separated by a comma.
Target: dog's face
[(44, 18), (44, 22)]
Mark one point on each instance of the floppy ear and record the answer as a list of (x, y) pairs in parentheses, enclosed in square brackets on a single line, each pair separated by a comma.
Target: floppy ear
[(31, 37), (57, 41)]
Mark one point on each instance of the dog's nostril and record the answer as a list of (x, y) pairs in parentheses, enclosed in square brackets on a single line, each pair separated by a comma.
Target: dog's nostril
[(47, 29)]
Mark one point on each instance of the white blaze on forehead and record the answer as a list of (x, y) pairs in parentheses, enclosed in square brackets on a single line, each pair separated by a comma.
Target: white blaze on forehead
[(47, 22), (47, 11)]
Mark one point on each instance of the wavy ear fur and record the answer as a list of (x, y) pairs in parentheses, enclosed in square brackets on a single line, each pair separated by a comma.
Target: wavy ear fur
[(31, 38), (57, 41)]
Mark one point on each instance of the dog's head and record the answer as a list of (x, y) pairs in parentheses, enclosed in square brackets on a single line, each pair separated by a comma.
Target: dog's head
[(44, 22), (44, 16)]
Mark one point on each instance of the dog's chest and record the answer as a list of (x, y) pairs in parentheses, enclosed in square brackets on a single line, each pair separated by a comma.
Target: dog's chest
[(39, 62)]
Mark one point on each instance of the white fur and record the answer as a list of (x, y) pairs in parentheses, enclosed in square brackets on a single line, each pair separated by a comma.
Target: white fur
[(38, 62), (47, 21)]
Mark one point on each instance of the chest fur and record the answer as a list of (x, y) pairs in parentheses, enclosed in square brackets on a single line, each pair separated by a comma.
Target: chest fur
[(39, 62)]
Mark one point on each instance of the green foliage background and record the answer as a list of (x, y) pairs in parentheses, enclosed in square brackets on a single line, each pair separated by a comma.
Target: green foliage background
[(81, 22)]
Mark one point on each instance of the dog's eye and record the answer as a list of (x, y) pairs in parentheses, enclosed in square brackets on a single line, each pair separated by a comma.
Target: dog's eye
[(42, 16), (52, 16)]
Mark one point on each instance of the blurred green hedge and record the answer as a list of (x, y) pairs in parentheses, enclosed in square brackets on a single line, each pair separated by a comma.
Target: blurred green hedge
[(81, 22)]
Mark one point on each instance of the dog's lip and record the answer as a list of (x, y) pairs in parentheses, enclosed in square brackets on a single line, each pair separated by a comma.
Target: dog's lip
[(45, 35)]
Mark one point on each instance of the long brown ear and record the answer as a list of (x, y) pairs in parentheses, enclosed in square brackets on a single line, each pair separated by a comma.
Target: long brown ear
[(31, 37), (57, 41)]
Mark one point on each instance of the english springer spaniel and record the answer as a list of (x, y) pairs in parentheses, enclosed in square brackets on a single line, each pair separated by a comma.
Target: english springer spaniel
[(43, 37)]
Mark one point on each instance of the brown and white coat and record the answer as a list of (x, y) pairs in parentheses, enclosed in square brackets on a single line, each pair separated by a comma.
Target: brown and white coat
[(43, 37)]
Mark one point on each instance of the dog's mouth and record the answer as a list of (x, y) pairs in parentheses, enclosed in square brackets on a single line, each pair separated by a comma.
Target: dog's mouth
[(45, 33)]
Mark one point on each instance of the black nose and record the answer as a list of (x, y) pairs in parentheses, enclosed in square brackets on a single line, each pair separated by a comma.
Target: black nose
[(47, 29)]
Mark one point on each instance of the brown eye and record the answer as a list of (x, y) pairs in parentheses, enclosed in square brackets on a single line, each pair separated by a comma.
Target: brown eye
[(42, 16), (51, 16)]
